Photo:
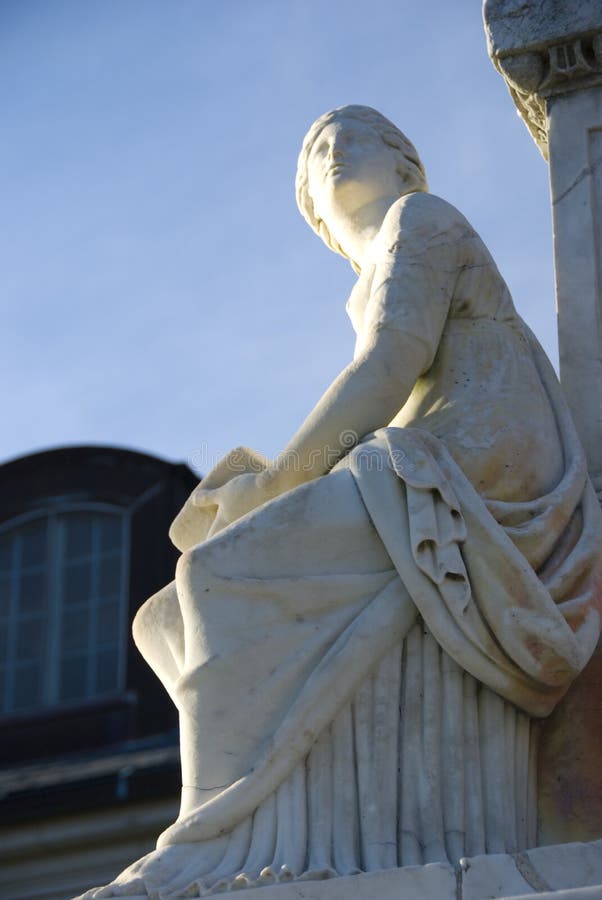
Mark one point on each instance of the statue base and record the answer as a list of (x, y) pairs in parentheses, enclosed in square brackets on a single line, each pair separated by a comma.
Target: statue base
[(559, 872)]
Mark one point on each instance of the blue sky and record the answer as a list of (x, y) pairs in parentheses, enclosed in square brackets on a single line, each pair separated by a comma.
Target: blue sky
[(161, 290)]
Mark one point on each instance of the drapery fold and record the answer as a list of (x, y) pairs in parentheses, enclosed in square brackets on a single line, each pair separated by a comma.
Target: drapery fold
[(500, 597), (398, 726), (383, 622), (421, 765), (510, 590)]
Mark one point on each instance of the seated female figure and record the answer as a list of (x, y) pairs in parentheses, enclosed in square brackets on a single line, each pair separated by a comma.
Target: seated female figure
[(357, 650)]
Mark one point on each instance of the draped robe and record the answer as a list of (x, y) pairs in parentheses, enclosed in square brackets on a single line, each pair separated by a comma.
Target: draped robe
[(357, 663)]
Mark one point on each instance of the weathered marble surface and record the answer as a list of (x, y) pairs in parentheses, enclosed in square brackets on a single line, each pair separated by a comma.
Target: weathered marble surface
[(584, 893), (432, 882), (360, 631), (533, 872), (512, 25), (565, 872)]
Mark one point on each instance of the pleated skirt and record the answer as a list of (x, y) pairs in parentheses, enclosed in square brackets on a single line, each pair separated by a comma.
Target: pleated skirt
[(424, 764)]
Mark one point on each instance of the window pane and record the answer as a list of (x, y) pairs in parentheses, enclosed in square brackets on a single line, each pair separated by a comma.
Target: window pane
[(28, 686), (71, 604), (31, 639), (77, 583), (106, 670), (78, 534), (73, 678), (33, 543), (5, 583), (108, 623), (74, 631), (6, 552), (32, 593), (111, 533), (110, 577)]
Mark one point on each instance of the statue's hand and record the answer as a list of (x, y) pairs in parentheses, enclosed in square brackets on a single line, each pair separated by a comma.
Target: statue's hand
[(233, 499)]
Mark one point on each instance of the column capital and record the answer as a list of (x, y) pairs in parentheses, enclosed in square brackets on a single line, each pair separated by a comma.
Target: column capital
[(544, 48)]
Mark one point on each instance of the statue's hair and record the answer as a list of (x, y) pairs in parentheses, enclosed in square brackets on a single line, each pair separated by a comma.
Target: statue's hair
[(410, 167)]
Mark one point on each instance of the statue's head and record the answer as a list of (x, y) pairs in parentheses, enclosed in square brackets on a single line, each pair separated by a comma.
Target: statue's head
[(369, 143)]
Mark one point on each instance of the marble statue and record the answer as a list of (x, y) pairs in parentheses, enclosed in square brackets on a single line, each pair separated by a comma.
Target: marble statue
[(362, 631)]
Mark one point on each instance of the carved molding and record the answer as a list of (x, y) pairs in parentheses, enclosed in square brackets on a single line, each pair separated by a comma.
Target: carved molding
[(535, 75)]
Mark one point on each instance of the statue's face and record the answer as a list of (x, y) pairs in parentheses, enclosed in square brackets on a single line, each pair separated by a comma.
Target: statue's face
[(348, 167)]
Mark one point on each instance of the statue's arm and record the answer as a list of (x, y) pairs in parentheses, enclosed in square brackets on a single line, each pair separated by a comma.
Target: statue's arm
[(415, 266), (365, 396)]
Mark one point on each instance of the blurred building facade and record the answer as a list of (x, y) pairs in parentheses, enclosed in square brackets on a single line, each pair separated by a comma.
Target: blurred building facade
[(89, 758)]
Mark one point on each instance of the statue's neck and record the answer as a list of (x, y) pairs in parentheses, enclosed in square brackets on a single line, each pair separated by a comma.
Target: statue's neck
[(358, 231)]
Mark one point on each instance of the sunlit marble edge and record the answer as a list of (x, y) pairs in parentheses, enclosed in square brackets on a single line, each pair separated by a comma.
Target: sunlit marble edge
[(562, 871), (584, 893)]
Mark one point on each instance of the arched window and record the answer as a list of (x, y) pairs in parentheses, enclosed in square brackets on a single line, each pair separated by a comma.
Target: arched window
[(63, 606)]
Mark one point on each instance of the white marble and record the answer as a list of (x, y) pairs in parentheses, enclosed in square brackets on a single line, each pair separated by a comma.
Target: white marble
[(512, 25), (356, 638), (564, 872), (435, 881), (586, 893), (432, 882), (544, 49)]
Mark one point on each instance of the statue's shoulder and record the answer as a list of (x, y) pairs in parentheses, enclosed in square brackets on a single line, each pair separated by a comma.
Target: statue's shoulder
[(421, 214)]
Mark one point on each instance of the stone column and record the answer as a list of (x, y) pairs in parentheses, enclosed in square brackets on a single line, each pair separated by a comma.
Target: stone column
[(549, 52), (550, 55)]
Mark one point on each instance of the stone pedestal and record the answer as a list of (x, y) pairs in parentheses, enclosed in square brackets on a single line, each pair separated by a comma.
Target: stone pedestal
[(550, 54), (567, 872)]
